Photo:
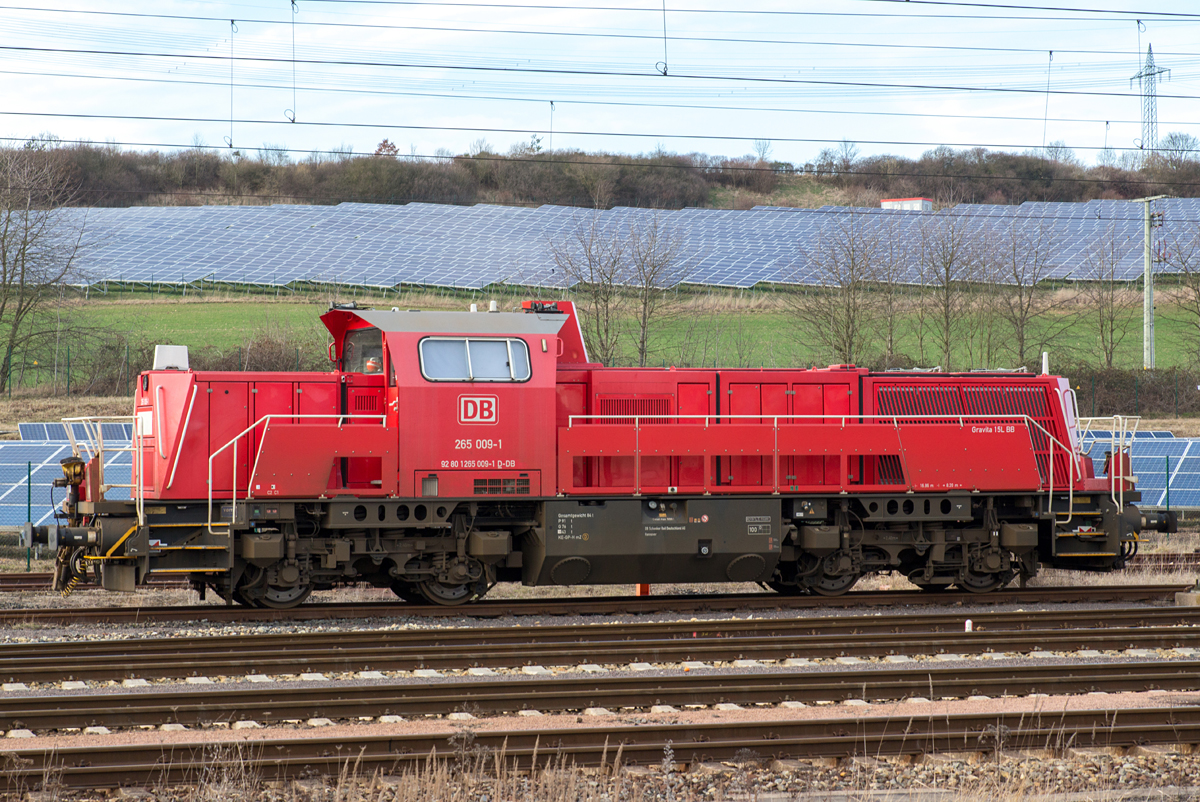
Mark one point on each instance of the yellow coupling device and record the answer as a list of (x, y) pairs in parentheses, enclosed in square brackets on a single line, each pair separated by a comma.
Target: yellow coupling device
[(72, 468)]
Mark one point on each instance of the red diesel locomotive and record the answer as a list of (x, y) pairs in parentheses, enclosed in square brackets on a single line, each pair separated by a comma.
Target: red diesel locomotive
[(449, 451)]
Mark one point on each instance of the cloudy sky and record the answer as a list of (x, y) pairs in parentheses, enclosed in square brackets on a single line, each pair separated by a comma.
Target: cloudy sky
[(894, 77)]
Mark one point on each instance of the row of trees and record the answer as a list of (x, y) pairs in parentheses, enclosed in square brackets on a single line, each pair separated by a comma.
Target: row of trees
[(953, 294), (110, 176)]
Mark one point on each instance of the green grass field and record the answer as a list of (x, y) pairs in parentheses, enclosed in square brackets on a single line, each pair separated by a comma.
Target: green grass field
[(746, 330), (222, 324)]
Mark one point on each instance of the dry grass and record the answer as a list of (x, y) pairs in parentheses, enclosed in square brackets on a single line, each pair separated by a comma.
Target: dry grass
[(1182, 427), (469, 773), (31, 407)]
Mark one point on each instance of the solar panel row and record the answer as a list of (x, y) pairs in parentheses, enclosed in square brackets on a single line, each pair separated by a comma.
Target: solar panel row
[(472, 247), (58, 431)]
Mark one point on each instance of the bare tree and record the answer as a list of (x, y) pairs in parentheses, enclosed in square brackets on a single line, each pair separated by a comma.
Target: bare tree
[(598, 180), (659, 260), (593, 258), (1183, 255), (1021, 258), (40, 242), (950, 261), (839, 313), (1107, 299), (981, 323), (891, 275), (1178, 151)]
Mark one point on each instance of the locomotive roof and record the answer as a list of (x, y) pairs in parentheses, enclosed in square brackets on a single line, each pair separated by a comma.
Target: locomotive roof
[(338, 320)]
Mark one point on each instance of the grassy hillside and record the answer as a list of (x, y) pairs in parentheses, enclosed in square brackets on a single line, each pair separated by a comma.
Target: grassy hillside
[(730, 328)]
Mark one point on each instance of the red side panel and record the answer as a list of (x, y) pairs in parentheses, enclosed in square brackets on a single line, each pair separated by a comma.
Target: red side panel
[(694, 399), (744, 399), (228, 414), (310, 471)]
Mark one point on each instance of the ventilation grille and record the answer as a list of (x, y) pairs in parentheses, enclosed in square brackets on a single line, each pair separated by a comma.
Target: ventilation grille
[(889, 470), (893, 400), (502, 487), (366, 403), (1029, 401), (646, 410), (1000, 401)]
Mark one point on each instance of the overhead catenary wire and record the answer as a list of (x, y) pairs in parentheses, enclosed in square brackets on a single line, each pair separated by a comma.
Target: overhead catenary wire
[(579, 102), (598, 73), (597, 35), (524, 131), (1088, 14)]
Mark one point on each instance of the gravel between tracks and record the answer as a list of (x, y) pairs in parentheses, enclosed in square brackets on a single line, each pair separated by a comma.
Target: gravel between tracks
[(1015, 775), (31, 631)]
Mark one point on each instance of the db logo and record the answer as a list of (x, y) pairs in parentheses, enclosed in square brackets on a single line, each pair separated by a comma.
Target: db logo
[(477, 409)]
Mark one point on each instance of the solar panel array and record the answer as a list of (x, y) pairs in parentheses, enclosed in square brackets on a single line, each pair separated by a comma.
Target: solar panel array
[(472, 247), (27, 474), (1167, 467), (57, 432)]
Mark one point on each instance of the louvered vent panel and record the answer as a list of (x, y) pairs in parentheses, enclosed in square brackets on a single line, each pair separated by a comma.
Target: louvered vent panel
[(889, 470), (366, 403), (1029, 401), (901, 400), (645, 410), (502, 487)]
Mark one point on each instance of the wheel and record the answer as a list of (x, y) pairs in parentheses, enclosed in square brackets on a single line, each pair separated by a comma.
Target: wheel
[(829, 585), (284, 598), (446, 595), (244, 600), (408, 592), (784, 589), (983, 583)]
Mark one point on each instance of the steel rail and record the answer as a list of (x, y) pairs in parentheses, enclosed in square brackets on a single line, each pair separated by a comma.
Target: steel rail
[(44, 580), (721, 627), (174, 763), (591, 605), (283, 702), (719, 641)]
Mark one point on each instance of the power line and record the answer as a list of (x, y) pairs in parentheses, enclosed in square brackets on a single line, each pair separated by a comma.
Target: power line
[(524, 131), (596, 73), (592, 35), (540, 101), (1143, 15)]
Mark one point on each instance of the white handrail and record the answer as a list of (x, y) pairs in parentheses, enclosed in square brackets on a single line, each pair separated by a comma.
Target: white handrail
[(1074, 461), (1120, 438), (93, 428), (182, 438), (233, 442), (160, 404)]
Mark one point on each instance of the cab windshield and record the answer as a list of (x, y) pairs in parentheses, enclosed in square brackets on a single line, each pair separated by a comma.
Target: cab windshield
[(362, 351)]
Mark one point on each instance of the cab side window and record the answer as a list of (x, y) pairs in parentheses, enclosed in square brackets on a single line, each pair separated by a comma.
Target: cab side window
[(362, 351), (473, 359)]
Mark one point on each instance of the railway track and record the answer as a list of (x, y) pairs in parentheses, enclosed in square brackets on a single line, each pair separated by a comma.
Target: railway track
[(285, 702), (591, 605), (655, 642), (42, 580), (109, 766), (1163, 561)]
